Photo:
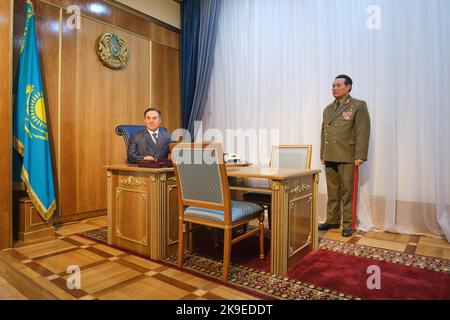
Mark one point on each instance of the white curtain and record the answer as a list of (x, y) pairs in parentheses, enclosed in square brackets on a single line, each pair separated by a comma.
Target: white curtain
[(275, 61)]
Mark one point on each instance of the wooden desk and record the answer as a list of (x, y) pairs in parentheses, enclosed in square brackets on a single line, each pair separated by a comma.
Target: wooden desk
[(143, 210)]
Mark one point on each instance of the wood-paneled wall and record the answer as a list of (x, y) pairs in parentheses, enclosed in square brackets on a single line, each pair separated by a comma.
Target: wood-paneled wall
[(86, 100), (6, 27)]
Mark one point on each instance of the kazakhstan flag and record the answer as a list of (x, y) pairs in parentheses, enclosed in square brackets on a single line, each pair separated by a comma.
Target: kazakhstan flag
[(30, 124)]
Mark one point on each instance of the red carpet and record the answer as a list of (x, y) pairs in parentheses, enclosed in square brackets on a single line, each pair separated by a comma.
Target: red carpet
[(343, 267), (347, 273)]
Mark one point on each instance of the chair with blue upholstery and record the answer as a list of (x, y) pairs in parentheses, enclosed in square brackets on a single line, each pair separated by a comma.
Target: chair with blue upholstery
[(286, 157), (126, 131), (204, 198)]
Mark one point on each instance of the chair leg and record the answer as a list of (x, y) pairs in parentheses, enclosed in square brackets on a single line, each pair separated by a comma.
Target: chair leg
[(269, 216), (180, 243), (261, 236), (226, 254), (188, 237)]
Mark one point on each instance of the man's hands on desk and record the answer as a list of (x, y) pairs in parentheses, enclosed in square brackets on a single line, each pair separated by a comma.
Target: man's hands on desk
[(151, 158)]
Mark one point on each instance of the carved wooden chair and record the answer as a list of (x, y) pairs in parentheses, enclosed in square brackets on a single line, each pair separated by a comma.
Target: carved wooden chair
[(204, 198)]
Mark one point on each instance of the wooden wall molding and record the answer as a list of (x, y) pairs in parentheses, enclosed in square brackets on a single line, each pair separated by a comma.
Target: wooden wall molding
[(145, 16), (6, 107), (116, 16)]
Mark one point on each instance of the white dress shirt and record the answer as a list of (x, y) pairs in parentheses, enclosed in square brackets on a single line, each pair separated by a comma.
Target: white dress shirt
[(151, 134)]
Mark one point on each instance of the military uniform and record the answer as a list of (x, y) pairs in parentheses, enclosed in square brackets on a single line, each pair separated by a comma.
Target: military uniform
[(344, 139)]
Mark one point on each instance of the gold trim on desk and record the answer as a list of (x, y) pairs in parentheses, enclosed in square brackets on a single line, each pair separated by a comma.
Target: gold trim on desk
[(169, 190), (275, 185), (132, 181), (279, 231), (300, 198), (280, 175), (293, 252), (292, 204), (301, 188), (249, 189), (121, 236)]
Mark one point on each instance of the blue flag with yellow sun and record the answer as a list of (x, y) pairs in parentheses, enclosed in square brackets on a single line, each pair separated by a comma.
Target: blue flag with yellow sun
[(30, 124)]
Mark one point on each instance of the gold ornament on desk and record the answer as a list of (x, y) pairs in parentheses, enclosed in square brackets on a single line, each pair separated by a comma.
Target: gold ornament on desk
[(112, 51)]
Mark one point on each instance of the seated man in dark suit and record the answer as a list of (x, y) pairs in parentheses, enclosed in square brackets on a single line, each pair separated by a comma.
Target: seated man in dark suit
[(152, 143)]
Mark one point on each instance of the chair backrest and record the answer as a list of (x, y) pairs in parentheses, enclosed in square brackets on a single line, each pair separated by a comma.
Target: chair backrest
[(291, 157), (127, 130), (201, 175)]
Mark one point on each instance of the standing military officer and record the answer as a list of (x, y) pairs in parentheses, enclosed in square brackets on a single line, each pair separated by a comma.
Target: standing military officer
[(344, 145)]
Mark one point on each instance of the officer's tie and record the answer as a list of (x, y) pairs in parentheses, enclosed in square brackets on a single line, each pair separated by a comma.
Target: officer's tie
[(337, 105), (155, 137)]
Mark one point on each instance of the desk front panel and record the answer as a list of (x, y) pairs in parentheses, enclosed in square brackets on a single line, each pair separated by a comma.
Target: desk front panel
[(128, 211), (300, 218), (143, 212), (172, 215)]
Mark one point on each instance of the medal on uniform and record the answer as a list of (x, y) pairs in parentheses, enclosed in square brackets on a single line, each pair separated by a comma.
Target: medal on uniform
[(347, 115)]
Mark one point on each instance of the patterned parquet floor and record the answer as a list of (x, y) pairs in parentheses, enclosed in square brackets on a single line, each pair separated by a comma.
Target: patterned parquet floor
[(108, 273)]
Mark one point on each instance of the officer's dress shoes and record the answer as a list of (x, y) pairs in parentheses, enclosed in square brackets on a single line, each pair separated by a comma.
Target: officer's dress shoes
[(347, 232), (327, 226)]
